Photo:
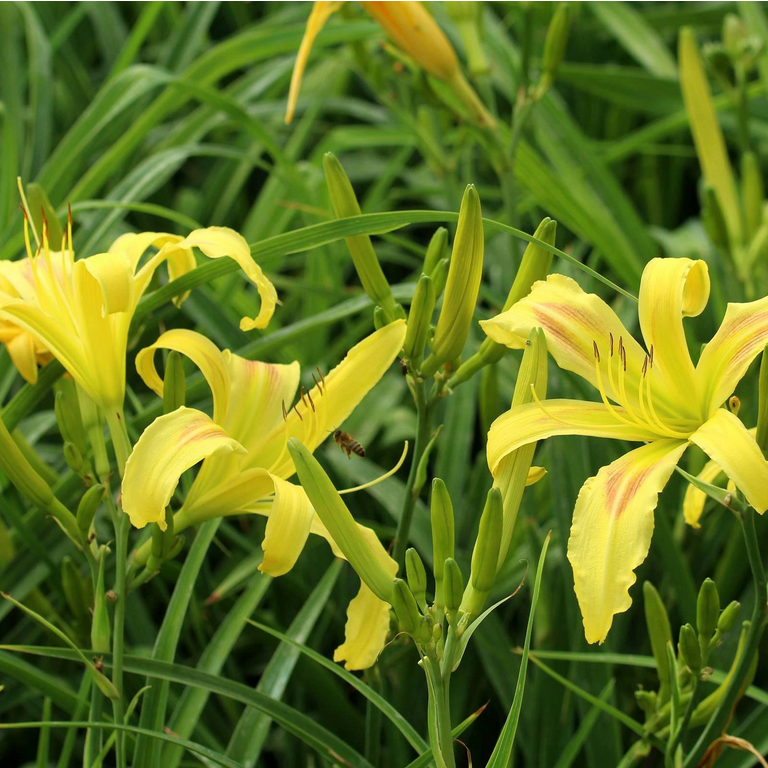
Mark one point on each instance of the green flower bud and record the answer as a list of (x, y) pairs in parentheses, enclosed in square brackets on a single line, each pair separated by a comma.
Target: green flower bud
[(406, 610), (417, 577), (761, 435), (360, 247), (425, 630), (380, 318), (468, 17), (735, 33), (646, 700), (728, 617), (100, 630), (67, 410), (21, 473), (752, 193), (41, 210), (441, 514), (419, 318), (707, 609), (176, 547), (453, 587), (485, 555), (713, 219), (689, 648), (464, 274), (87, 508), (436, 251), (74, 459), (660, 633), (554, 46), (333, 512), (718, 61), (439, 277), (174, 383)]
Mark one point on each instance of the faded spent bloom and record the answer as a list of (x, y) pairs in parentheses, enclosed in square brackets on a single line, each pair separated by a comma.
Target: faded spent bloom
[(655, 396), (80, 311), (246, 465)]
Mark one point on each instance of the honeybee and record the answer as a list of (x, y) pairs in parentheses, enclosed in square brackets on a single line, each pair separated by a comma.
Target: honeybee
[(348, 444)]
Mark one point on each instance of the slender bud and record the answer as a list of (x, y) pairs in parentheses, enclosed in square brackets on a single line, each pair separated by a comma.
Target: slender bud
[(761, 435), (419, 318), (436, 251), (554, 46), (375, 569), (713, 219), (485, 555), (707, 610), (464, 274), (646, 700), (176, 547), (174, 383), (40, 209), (689, 648), (752, 193), (100, 631), (87, 508), (660, 633), (453, 587), (74, 459), (406, 610), (360, 247), (728, 617), (735, 33), (20, 472), (67, 410), (439, 276), (417, 577), (442, 535)]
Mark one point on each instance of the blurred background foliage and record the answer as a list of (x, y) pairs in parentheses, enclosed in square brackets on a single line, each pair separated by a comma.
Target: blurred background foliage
[(166, 116)]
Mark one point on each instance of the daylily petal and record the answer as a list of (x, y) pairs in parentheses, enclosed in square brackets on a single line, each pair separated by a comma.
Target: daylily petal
[(203, 353), (529, 423), (365, 632), (670, 290), (135, 244), (573, 322), (114, 274), (321, 12), (257, 394), (21, 348), (726, 440), (534, 475), (326, 406), (612, 529), (742, 336), (218, 242), (172, 444)]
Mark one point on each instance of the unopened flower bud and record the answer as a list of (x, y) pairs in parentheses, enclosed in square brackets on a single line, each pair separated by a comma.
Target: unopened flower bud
[(707, 610), (67, 410), (371, 567), (21, 473), (464, 274), (761, 434), (468, 17), (174, 383), (74, 459), (554, 46), (419, 318), (437, 250), (485, 556), (735, 33), (646, 700), (176, 547), (366, 263), (439, 276), (441, 513), (689, 648), (100, 629), (406, 610), (728, 617), (660, 633), (87, 508), (453, 587), (417, 577)]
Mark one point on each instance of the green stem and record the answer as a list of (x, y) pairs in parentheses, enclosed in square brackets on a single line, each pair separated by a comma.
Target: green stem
[(440, 736), (423, 428), (121, 443), (720, 717), (686, 721)]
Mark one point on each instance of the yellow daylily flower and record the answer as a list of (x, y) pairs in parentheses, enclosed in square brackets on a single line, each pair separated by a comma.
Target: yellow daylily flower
[(80, 311), (657, 397), (412, 29), (245, 461)]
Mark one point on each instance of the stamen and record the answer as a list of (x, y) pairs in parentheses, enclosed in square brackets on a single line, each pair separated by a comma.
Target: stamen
[(303, 399), (604, 397), (322, 378), (381, 477), (596, 351), (285, 415), (317, 386), (309, 395), (650, 357), (571, 424), (610, 338), (623, 387), (26, 208), (640, 389), (668, 430), (297, 412)]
